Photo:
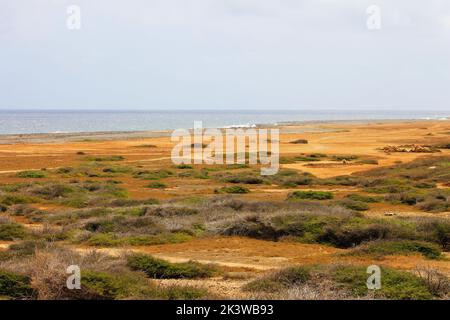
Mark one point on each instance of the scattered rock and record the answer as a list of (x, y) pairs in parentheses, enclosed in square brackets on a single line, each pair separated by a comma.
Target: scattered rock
[(415, 148)]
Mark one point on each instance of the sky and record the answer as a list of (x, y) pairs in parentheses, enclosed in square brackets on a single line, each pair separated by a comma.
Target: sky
[(225, 54)]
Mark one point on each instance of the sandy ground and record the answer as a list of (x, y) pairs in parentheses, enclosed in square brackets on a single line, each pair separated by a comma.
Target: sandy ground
[(237, 254), (346, 138)]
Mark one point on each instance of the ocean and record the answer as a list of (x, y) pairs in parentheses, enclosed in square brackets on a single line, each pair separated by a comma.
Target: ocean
[(54, 121)]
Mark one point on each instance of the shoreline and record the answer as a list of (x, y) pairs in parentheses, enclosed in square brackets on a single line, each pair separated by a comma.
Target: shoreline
[(83, 136)]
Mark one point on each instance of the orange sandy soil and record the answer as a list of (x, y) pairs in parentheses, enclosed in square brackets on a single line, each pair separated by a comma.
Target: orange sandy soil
[(361, 139)]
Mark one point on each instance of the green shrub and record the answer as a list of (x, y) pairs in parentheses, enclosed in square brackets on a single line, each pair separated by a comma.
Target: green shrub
[(15, 285), (306, 159), (434, 205), (310, 195), (16, 199), (103, 286), (236, 166), (161, 269), (255, 227), (245, 179), (424, 185), (280, 280), (443, 146), (233, 189), (400, 247), (64, 170), (348, 236), (103, 240), (367, 161), (362, 198), (437, 231), (354, 205), (21, 249), (397, 285), (156, 185), (153, 174), (125, 285), (117, 169), (52, 191), (184, 166), (11, 231), (342, 181), (182, 293), (31, 174), (297, 181), (171, 211), (344, 157)]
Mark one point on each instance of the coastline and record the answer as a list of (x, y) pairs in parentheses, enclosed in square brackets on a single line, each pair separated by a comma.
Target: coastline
[(307, 126)]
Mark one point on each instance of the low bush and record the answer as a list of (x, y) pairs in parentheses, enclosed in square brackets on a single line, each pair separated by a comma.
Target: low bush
[(255, 227), (15, 286), (104, 240), (65, 170), (342, 181), (117, 169), (354, 205), (437, 231), (21, 249), (52, 191), (153, 174), (12, 231), (280, 280), (161, 269), (24, 210), (400, 247), (344, 157), (9, 200), (347, 236), (434, 205), (233, 189), (306, 159), (443, 146), (362, 198), (125, 285), (367, 161), (171, 211), (184, 166), (397, 285), (31, 174), (156, 185), (310, 195), (245, 179)]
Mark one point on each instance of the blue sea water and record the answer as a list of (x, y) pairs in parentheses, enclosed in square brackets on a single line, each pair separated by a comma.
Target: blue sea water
[(45, 121)]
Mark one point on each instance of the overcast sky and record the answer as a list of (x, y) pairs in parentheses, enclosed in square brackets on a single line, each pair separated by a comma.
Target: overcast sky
[(288, 54)]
